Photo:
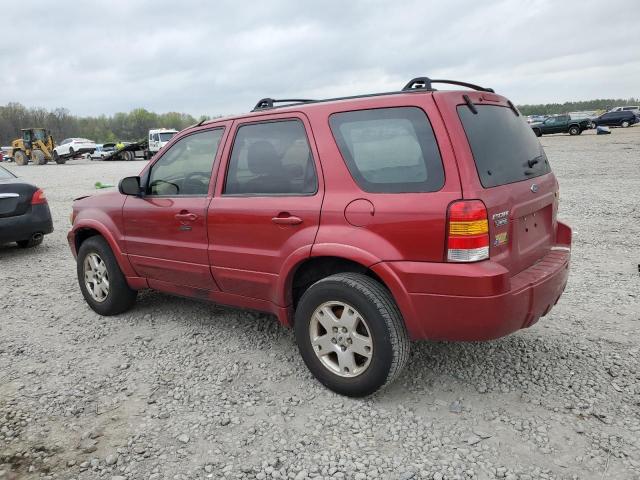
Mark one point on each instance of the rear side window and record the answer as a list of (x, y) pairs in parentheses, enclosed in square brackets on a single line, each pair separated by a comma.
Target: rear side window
[(271, 158), (504, 147), (389, 150)]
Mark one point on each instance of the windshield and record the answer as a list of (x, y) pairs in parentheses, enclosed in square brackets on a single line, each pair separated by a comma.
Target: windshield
[(504, 147), (166, 136), (39, 135)]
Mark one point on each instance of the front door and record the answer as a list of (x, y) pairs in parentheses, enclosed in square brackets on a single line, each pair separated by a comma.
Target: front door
[(266, 209), (166, 228)]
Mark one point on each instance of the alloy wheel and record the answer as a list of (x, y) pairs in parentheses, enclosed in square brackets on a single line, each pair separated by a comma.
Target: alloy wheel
[(96, 277), (341, 339)]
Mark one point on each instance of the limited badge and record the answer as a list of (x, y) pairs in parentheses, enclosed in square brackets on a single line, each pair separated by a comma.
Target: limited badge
[(500, 239)]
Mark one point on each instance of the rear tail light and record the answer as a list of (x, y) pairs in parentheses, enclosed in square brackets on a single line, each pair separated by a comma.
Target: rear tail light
[(38, 197), (467, 232)]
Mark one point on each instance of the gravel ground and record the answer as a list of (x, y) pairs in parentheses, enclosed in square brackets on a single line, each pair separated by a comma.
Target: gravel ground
[(181, 389)]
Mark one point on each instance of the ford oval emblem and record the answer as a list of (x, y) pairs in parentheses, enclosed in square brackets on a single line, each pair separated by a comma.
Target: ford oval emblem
[(534, 188)]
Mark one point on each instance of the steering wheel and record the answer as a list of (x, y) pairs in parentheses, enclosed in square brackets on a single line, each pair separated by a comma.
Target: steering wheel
[(199, 184)]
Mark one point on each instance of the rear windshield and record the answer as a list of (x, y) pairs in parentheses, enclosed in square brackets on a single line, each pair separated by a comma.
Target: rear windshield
[(389, 150), (4, 174), (504, 147)]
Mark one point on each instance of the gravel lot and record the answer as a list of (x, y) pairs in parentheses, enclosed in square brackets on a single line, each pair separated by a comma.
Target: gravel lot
[(181, 389)]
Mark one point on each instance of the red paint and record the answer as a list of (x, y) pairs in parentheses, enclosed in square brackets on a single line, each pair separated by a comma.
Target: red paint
[(244, 251)]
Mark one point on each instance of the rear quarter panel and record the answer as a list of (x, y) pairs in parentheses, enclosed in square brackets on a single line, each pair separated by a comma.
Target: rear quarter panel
[(391, 226)]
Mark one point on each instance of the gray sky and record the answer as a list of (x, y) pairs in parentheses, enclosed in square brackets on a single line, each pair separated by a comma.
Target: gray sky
[(220, 57)]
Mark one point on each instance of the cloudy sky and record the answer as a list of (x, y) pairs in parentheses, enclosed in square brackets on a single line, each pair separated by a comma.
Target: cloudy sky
[(220, 57)]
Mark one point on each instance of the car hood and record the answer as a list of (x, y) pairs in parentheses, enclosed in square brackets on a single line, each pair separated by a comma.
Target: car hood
[(97, 198)]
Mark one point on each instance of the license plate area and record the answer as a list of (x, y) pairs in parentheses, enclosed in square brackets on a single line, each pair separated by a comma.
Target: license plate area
[(534, 230), (8, 203)]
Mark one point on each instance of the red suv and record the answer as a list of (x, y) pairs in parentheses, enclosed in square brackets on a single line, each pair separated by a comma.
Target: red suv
[(362, 222)]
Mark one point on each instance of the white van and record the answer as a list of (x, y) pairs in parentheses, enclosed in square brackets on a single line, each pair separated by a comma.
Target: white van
[(632, 108), (158, 138)]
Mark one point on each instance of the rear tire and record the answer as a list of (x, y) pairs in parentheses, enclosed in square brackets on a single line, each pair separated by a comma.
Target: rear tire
[(56, 158), (20, 157), (537, 132), (128, 156), (625, 124), (38, 157), (351, 335), (574, 130), (95, 264), (71, 151), (32, 242)]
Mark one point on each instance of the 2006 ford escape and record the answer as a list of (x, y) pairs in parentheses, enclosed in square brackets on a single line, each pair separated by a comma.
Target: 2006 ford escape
[(362, 222)]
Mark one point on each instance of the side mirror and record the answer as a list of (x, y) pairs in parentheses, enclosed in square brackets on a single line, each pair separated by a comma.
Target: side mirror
[(130, 186)]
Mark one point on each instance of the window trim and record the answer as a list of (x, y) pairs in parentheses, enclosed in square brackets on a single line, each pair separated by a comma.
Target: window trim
[(144, 180), (254, 195), (346, 164)]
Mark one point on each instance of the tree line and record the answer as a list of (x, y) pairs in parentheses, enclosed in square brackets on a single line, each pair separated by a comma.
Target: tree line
[(131, 126), (135, 124)]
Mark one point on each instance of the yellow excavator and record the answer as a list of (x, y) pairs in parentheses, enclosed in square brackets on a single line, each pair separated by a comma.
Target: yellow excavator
[(36, 145)]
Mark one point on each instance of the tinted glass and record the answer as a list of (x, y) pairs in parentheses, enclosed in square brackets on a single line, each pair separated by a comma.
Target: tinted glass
[(165, 137), (185, 168), (389, 150), (504, 147), (271, 159)]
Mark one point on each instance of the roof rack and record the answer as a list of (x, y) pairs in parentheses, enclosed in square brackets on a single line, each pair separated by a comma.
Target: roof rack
[(417, 85), (424, 83), (265, 103)]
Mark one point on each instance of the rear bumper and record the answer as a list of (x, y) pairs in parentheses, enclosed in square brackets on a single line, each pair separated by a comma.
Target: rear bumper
[(478, 301), (37, 219)]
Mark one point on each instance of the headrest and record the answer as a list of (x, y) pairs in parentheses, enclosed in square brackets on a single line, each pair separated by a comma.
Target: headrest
[(262, 158)]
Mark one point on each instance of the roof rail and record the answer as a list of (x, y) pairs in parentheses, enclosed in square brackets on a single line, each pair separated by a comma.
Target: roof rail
[(266, 103), (424, 83)]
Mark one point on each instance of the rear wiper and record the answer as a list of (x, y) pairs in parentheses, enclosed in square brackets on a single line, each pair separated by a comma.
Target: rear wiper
[(534, 160)]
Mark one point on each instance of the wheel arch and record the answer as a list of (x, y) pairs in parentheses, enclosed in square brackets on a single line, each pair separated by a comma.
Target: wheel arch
[(91, 228)]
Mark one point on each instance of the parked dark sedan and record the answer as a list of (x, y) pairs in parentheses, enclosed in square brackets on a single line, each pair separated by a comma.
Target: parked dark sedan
[(24, 212), (624, 118)]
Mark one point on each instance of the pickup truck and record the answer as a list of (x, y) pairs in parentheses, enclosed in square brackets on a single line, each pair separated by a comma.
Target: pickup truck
[(561, 124)]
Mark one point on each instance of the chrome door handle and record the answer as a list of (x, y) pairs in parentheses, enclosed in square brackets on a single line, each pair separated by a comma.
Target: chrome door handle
[(290, 220), (191, 217)]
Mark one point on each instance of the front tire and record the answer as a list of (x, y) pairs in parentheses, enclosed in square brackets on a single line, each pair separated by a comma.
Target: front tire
[(537, 132), (101, 281), (573, 130), (351, 335), (625, 124), (20, 158)]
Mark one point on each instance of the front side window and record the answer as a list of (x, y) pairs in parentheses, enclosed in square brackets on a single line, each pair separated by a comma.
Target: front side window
[(185, 168), (271, 158), (389, 150)]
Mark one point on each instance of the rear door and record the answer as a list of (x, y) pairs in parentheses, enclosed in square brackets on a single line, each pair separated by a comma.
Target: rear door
[(502, 163), (267, 204)]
